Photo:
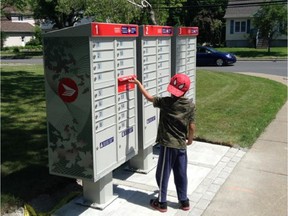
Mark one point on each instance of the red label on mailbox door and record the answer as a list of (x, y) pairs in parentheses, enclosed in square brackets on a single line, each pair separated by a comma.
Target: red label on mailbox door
[(113, 30), (124, 84), (188, 31), (151, 30)]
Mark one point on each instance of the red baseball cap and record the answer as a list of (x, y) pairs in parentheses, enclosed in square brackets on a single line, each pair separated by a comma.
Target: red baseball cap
[(179, 85)]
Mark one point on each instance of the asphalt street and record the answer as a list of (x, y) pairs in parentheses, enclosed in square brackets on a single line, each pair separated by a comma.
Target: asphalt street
[(277, 68)]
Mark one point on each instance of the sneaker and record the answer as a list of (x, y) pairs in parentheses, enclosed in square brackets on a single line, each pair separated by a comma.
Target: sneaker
[(160, 206), (185, 205)]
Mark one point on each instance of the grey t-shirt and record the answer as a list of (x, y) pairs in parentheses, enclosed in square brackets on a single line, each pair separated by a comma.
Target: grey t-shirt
[(175, 116)]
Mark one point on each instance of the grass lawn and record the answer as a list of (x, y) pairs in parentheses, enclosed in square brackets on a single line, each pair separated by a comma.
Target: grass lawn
[(232, 109), (24, 157), (241, 52)]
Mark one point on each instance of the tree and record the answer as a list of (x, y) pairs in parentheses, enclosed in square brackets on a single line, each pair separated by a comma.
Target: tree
[(19, 4), (208, 16), (62, 13), (3, 38), (271, 21), (113, 11)]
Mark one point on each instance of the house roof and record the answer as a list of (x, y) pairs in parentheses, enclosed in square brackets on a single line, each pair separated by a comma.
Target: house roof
[(242, 9), (13, 10), (247, 8), (16, 27)]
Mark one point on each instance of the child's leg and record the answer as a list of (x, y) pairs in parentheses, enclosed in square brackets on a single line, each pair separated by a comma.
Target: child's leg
[(163, 172), (180, 174)]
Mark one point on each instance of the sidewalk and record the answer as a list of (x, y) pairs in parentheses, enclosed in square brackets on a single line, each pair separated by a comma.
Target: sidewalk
[(223, 181), (258, 185)]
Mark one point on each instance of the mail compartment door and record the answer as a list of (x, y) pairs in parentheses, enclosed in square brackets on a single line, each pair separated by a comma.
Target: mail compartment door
[(150, 125), (106, 154), (127, 144)]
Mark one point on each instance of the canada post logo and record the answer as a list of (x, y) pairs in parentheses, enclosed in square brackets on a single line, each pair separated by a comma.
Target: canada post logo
[(67, 90), (128, 30), (166, 30)]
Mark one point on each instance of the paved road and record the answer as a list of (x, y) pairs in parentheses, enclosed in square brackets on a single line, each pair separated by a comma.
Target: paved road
[(22, 61), (277, 68)]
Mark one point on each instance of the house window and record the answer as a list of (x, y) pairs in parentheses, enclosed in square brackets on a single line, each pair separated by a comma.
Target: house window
[(240, 26), (20, 18)]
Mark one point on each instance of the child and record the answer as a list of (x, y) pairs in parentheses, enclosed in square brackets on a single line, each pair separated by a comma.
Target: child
[(175, 131)]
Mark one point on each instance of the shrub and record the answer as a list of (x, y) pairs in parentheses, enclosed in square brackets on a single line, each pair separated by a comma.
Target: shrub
[(16, 50)]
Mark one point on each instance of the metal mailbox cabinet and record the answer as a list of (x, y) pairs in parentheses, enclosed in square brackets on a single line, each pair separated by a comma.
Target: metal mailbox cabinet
[(91, 107), (154, 71), (184, 47)]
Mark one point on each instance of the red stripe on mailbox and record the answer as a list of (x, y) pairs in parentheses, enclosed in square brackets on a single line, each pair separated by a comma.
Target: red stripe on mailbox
[(153, 30), (112, 30)]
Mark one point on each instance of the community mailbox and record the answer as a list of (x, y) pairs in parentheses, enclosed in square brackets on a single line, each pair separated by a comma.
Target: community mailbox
[(184, 47), (91, 106), (154, 71)]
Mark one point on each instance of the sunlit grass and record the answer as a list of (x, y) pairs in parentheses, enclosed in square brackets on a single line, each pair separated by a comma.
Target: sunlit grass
[(234, 109)]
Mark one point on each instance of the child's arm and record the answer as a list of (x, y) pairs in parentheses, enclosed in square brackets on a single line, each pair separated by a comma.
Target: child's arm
[(192, 128), (142, 90)]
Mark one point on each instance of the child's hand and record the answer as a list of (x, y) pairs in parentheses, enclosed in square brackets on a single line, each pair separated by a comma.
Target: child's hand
[(188, 142), (134, 80)]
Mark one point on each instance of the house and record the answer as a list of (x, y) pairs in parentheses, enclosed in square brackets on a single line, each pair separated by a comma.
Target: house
[(17, 27), (240, 31)]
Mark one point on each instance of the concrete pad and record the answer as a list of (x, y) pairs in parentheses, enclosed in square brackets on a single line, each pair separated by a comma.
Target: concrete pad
[(130, 202), (250, 192), (205, 153), (208, 167), (195, 174)]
